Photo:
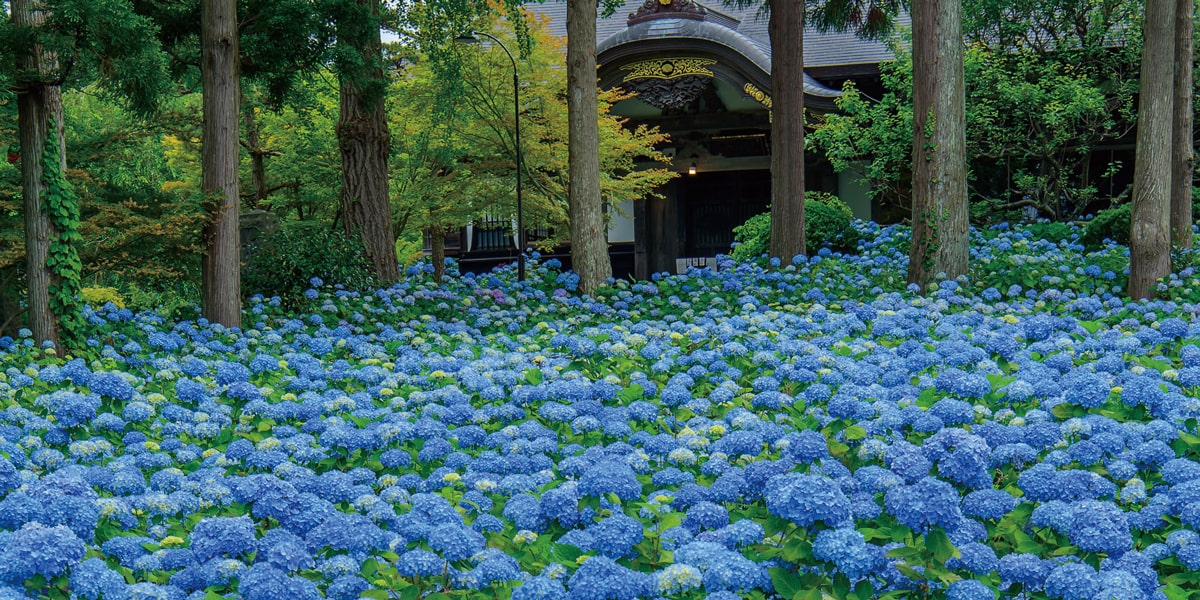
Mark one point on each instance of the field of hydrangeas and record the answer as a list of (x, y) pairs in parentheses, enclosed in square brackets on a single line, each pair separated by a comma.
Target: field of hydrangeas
[(810, 432)]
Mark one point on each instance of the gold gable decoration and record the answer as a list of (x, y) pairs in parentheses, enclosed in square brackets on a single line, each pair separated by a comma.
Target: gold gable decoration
[(668, 68), (759, 96)]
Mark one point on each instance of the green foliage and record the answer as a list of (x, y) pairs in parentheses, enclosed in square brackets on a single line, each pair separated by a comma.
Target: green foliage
[(1112, 224), (453, 162), (284, 261), (753, 237), (62, 207), (1052, 232), (827, 222), (1036, 107), (98, 42)]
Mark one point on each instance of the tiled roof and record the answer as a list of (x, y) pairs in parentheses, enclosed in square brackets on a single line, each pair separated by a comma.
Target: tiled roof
[(820, 49)]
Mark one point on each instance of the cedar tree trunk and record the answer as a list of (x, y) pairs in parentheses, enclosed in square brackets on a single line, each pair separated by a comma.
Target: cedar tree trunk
[(39, 116), (1182, 153), (1150, 229), (363, 140), (786, 27), (437, 245), (589, 235), (258, 163), (939, 199), (219, 72)]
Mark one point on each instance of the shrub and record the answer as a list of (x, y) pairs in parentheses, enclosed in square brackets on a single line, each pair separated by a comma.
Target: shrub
[(99, 296), (282, 262), (1052, 232), (1111, 223), (826, 223)]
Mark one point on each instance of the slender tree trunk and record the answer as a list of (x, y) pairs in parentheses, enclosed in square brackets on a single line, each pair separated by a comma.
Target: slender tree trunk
[(363, 139), (258, 164), (787, 129), (10, 302), (40, 119), (939, 204), (589, 235), (1150, 229), (1182, 153), (437, 244), (219, 73)]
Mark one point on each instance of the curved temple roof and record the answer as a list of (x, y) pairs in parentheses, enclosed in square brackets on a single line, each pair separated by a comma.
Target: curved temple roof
[(700, 33), (738, 34)]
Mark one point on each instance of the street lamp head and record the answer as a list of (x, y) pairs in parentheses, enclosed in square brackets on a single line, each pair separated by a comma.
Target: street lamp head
[(467, 38)]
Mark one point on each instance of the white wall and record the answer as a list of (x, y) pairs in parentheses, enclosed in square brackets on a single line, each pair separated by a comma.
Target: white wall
[(620, 226)]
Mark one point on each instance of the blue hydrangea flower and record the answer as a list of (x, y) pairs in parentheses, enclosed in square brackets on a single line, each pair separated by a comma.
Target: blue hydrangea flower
[(988, 504), (540, 588), (36, 549), (1100, 527), (969, 589), (807, 499), (610, 477), (92, 579), (599, 578), (1072, 581), (223, 536), (616, 536), (849, 552), (1025, 569), (928, 503)]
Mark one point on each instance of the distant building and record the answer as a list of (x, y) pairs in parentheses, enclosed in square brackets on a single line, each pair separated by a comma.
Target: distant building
[(701, 72)]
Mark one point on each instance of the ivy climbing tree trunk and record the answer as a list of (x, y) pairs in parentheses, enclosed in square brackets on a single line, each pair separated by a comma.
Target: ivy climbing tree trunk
[(40, 121), (363, 137), (1150, 229), (221, 267), (589, 235), (1182, 151), (786, 26), (939, 197)]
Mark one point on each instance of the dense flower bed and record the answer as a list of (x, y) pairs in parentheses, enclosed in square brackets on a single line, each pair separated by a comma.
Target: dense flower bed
[(802, 433)]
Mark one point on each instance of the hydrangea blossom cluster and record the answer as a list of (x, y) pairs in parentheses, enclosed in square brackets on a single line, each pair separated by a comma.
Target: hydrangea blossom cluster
[(722, 433)]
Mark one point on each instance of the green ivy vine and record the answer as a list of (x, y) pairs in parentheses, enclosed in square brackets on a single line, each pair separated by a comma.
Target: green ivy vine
[(62, 207)]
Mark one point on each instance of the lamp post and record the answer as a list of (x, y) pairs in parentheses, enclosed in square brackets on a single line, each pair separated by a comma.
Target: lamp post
[(471, 39)]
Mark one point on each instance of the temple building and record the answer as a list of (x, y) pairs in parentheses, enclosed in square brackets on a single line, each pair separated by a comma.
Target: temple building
[(701, 72)]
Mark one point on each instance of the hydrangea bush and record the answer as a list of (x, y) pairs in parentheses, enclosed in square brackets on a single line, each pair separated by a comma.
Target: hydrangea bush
[(803, 432)]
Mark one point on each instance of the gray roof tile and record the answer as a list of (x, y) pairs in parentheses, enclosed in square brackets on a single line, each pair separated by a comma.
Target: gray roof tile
[(820, 49)]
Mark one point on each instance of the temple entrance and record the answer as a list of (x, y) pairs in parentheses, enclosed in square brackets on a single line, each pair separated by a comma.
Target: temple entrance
[(714, 203)]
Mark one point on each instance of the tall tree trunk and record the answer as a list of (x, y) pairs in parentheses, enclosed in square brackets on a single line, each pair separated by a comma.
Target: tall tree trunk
[(40, 116), (219, 71), (1150, 229), (363, 139), (437, 245), (589, 235), (940, 243), (787, 129), (10, 302), (258, 165), (1182, 153)]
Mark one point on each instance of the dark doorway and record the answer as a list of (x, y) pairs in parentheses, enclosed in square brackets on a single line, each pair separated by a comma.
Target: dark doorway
[(714, 203)]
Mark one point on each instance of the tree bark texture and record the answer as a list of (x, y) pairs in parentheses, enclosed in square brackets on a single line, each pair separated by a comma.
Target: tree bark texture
[(786, 27), (363, 139), (1182, 152), (437, 244), (258, 163), (39, 108), (939, 200), (1150, 230), (589, 235), (219, 72)]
